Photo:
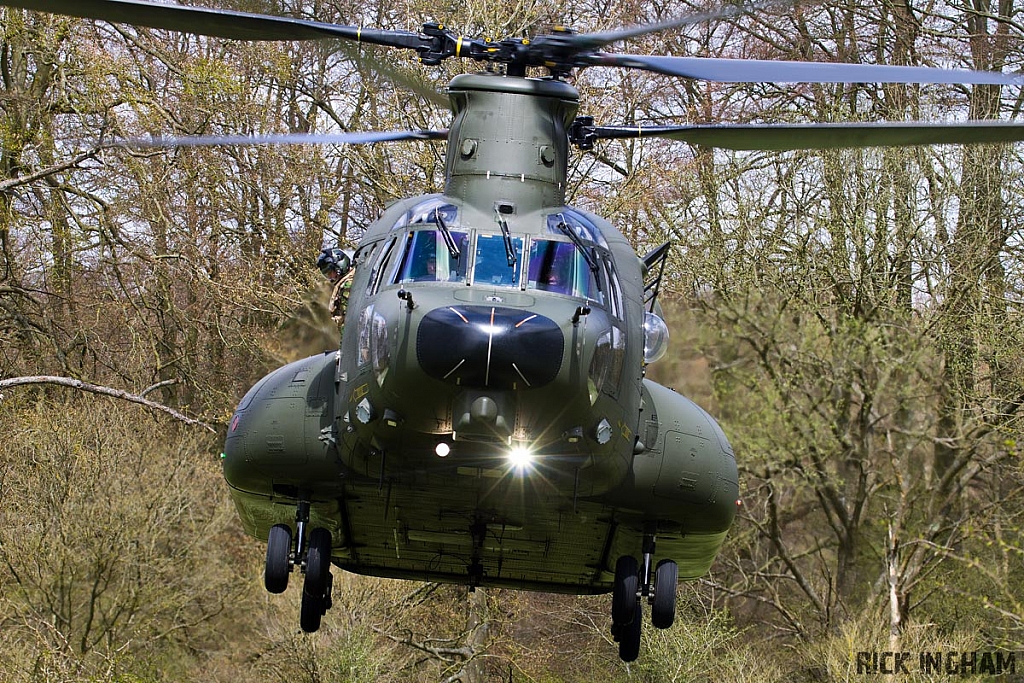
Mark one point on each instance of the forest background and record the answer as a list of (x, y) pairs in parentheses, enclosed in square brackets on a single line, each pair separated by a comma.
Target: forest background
[(852, 317)]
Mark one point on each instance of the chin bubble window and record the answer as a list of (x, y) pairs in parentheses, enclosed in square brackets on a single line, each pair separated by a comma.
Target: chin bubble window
[(373, 339), (606, 365)]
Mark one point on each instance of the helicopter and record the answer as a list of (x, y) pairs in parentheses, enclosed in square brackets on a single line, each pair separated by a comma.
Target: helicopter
[(487, 419)]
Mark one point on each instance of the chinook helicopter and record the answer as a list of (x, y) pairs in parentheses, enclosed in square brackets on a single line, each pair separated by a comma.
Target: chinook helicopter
[(486, 420)]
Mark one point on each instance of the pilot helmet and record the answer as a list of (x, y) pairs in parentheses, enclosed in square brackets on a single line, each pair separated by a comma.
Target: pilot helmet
[(333, 263)]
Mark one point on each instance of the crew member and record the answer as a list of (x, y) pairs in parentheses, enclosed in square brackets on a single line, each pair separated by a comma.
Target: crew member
[(336, 266)]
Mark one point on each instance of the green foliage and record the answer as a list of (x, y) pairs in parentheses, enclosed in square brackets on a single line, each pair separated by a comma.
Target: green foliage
[(109, 548), (690, 651)]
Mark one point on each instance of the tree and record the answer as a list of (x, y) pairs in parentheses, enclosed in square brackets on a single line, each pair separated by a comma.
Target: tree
[(111, 548)]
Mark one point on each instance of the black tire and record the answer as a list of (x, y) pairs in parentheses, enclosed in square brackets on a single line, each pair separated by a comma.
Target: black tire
[(279, 547), (318, 562), (629, 637), (311, 611), (666, 579), (624, 591), (328, 600)]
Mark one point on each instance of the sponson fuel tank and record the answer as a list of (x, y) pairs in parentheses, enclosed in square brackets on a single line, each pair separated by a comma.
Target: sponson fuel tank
[(279, 438)]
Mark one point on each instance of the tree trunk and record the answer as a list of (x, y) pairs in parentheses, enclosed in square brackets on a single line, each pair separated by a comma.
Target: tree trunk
[(478, 632)]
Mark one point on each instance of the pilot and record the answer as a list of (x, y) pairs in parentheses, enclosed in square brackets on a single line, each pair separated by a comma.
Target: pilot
[(550, 282), (336, 266), (554, 280), (425, 265)]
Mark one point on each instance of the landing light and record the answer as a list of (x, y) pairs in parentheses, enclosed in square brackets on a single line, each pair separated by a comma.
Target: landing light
[(655, 337), (521, 458), (442, 450)]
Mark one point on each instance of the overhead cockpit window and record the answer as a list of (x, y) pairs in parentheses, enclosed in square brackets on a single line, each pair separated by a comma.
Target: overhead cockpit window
[(560, 267), (429, 258), (579, 224), (427, 212), (497, 260)]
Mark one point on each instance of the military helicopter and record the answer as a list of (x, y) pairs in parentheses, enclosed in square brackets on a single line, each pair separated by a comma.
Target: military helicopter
[(486, 420)]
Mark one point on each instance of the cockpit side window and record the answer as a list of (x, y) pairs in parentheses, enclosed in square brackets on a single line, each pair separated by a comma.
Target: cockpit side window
[(492, 257), (380, 266), (557, 266), (427, 258), (614, 288)]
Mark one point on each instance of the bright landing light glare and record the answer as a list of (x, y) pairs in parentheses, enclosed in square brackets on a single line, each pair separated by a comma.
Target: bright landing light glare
[(520, 458)]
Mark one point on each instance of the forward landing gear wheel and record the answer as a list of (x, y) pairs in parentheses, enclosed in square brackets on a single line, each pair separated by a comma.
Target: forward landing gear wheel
[(318, 561), (624, 592), (629, 635), (663, 608), (312, 609), (279, 547), (316, 589)]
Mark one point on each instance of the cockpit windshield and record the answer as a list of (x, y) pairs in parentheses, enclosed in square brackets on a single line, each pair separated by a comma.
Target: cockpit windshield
[(436, 247), (497, 262), (428, 259), (559, 267)]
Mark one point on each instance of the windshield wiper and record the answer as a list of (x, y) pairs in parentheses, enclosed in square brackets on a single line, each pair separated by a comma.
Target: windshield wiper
[(578, 243), (449, 241), (510, 250)]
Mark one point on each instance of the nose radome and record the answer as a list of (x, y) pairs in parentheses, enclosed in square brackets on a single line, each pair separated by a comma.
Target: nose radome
[(489, 347)]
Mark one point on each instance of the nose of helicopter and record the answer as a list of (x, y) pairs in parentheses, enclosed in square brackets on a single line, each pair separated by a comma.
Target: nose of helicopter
[(489, 347)]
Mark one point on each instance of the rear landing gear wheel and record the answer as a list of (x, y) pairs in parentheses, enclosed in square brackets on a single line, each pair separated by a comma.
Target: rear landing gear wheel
[(663, 607), (624, 592), (279, 548), (629, 635)]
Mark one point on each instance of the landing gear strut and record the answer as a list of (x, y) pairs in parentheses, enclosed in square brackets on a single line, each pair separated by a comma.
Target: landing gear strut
[(312, 555), (633, 582)]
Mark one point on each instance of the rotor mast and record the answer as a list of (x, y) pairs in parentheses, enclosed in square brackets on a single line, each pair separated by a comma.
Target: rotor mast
[(509, 139)]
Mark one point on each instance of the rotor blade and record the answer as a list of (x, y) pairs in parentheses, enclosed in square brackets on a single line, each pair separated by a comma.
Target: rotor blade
[(767, 71), (397, 76), (781, 137), (218, 22), (241, 26), (592, 41), (281, 139)]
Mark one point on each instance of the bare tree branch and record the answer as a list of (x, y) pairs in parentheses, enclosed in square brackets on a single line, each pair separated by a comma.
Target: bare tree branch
[(104, 391), (6, 185)]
